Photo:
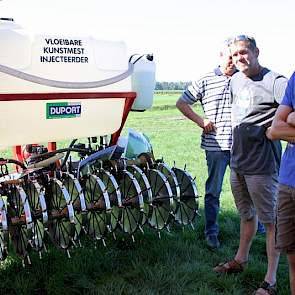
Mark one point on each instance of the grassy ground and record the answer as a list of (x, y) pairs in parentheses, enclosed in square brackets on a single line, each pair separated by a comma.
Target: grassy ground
[(178, 263)]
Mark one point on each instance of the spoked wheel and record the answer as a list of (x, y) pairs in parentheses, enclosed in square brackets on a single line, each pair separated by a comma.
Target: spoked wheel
[(173, 182), (4, 236), (114, 195), (98, 207), (145, 190), (189, 204), (36, 198), (20, 225), (61, 225), (163, 202), (132, 202), (78, 200)]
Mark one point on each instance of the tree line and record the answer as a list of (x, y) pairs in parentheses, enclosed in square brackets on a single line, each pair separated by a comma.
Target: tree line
[(163, 85)]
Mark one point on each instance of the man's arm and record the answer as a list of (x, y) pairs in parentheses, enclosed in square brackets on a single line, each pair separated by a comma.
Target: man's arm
[(281, 128), (187, 110), (291, 119)]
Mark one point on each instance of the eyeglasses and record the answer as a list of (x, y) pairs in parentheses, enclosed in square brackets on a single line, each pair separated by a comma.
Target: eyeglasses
[(242, 38)]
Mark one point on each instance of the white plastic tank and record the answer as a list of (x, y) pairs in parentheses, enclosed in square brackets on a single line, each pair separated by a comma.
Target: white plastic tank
[(56, 114), (143, 81)]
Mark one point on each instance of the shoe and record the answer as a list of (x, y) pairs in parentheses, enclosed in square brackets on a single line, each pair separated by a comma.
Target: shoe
[(266, 287), (230, 267), (212, 242)]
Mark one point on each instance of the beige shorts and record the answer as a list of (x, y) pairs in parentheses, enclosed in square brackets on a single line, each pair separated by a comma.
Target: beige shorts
[(255, 194), (285, 224)]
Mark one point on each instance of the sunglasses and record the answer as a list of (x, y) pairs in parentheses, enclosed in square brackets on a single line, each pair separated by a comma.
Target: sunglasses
[(242, 38)]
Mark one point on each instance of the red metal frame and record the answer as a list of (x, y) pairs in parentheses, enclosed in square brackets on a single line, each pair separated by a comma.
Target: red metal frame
[(129, 99), (66, 95)]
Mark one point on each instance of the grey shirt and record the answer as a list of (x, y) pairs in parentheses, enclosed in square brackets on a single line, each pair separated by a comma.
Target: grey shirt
[(254, 103)]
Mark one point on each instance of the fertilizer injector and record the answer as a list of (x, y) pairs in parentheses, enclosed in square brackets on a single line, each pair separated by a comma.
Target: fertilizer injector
[(96, 186)]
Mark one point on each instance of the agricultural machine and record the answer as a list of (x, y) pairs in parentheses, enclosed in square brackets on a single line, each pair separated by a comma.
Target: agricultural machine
[(99, 184)]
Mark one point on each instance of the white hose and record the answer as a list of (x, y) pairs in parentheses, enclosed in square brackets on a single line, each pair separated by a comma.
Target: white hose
[(65, 84), (46, 162)]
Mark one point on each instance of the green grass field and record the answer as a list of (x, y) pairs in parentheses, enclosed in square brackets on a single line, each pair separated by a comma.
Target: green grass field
[(178, 263)]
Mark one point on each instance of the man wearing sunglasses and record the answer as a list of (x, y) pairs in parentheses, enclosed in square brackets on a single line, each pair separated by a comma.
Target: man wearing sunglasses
[(256, 93), (283, 127), (212, 91)]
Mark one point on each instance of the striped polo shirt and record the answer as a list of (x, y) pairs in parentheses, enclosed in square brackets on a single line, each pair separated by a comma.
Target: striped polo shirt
[(212, 91)]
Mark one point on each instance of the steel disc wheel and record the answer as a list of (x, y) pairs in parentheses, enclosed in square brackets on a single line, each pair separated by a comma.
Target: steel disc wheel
[(4, 236), (98, 207), (61, 225), (36, 198), (173, 182), (162, 199), (189, 204), (20, 226), (145, 190), (78, 200), (132, 202), (114, 195)]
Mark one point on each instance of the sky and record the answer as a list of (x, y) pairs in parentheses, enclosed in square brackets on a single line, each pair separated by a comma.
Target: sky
[(183, 35)]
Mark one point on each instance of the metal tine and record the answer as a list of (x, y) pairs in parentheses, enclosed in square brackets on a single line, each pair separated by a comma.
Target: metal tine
[(114, 236), (103, 242), (28, 259), (84, 230), (74, 243), (140, 228), (40, 255), (168, 228), (44, 248), (79, 243), (68, 254), (133, 240), (159, 234), (192, 226)]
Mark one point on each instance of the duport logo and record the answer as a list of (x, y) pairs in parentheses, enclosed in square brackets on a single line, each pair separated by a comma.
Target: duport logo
[(59, 110)]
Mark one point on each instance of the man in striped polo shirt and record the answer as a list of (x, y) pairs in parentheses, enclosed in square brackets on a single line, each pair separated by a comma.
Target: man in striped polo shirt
[(212, 91)]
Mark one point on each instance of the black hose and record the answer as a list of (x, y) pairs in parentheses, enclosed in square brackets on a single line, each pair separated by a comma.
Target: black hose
[(12, 161), (67, 154)]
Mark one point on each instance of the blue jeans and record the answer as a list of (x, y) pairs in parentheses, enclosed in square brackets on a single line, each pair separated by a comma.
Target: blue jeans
[(216, 163)]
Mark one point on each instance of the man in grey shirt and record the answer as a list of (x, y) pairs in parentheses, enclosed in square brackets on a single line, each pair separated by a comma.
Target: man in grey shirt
[(256, 93)]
